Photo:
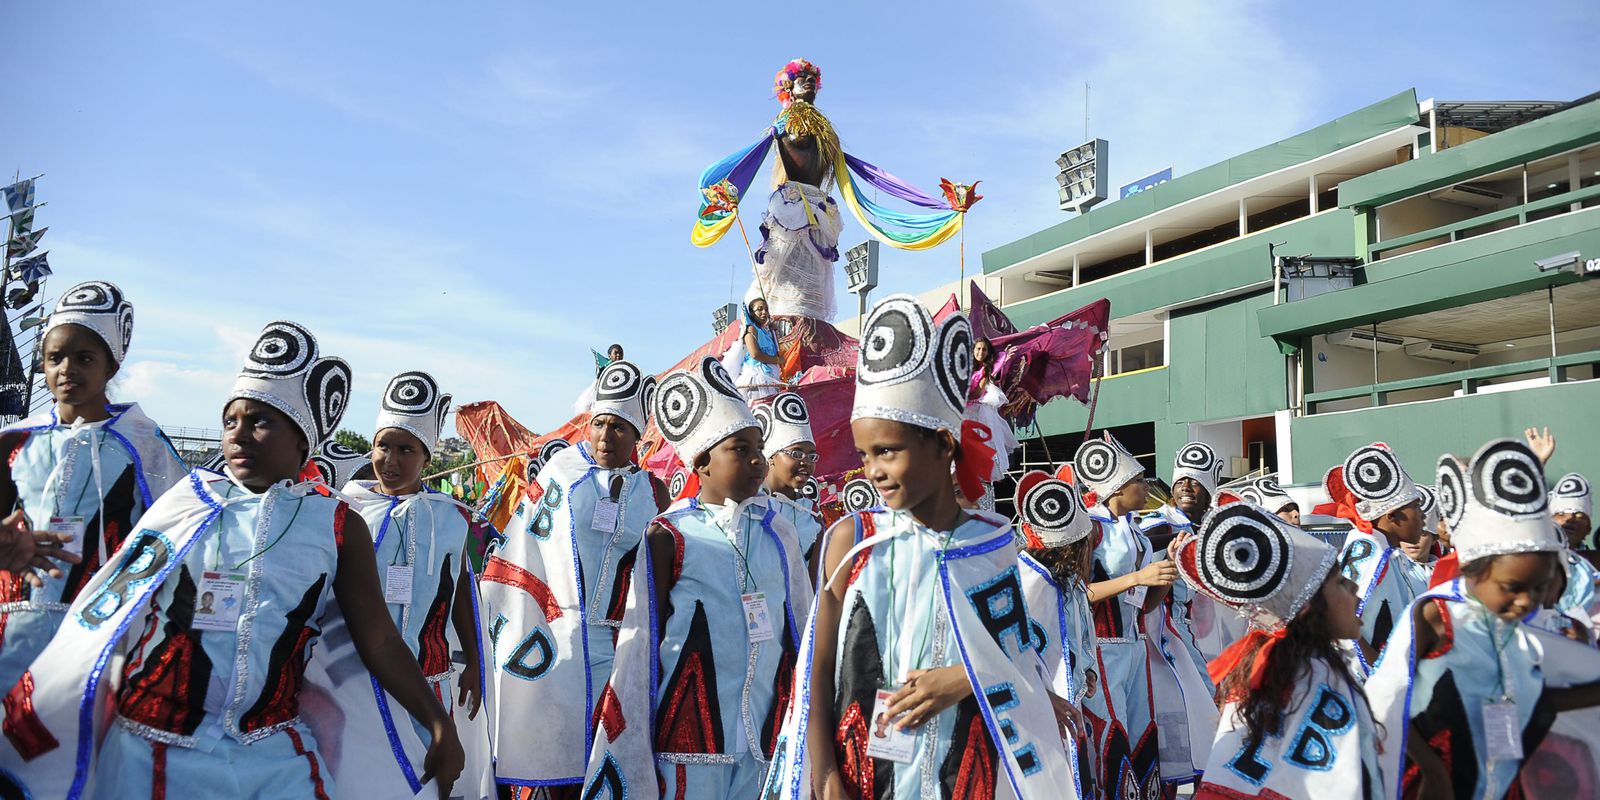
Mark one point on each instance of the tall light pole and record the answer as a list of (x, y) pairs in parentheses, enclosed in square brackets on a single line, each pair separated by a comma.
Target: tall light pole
[(861, 272), (723, 316), (1081, 181)]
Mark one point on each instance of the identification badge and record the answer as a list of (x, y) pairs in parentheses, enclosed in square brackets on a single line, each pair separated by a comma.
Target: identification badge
[(758, 623), (73, 527), (886, 740), (606, 515), (1501, 731), (1135, 596), (397, 585), (221, 599)]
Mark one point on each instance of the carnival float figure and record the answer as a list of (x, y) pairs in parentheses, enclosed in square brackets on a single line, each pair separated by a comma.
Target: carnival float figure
[(800, 230)]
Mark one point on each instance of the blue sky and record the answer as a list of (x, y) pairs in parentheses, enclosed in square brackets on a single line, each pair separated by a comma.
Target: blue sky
[(487, 190)]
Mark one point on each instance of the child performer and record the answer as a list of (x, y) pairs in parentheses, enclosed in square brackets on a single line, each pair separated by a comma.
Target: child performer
[(1462, 689), (919, 674), (1124, 573), (1296, 723), (1055, 566), (791, 451), (210, 701), (1373, 492), (706, 656), (85, 471), (553, 593), (420, 541)]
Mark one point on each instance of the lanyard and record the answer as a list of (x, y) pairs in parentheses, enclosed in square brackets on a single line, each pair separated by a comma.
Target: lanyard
[(266, 498)]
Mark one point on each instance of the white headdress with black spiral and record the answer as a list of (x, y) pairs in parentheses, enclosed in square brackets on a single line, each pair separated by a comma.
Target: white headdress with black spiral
[(1263, 490), (1251, 560), (1103, 466), (1052, 510), (785, 422), (912, 369), (697, 408), (1380, 484), (284, 371), (623, 391), (338, 463), (860, 495), (1430, 507), (100, 307), (1197, 460), (1497, 504), (1572, 495), (414, 404)]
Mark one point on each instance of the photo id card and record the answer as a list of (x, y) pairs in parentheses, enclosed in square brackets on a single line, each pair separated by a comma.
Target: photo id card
[(220, 601), (884, 739), (758, 622)]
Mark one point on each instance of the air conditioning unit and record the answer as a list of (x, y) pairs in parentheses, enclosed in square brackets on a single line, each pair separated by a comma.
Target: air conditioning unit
[(1442, 351), (1465, 194), (1366, 340)]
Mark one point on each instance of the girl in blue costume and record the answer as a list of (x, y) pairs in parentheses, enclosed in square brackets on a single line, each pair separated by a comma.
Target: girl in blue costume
[(1462, 688), (86, 470), (1297, 723), (714, 636), (1059, 555), (1126, 583), (920, 674), (758, 371), (791, 451), (420, 541), (221, 594)]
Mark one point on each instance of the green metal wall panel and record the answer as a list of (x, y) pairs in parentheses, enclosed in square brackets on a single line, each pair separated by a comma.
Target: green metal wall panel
[(1498, 264), (1380, 117), (1224, 268), (1421, 432), (1574, 127), (1222, 368)]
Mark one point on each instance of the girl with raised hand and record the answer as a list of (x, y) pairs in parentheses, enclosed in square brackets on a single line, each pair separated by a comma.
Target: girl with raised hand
[(1296, 722), (920, 670), (78, 477), (1467, 690), (218, 598)]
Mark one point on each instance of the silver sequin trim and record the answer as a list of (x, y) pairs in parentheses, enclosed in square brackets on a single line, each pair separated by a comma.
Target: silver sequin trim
[(595, 610), (441, 677), (698, 758), (1506, 548), (29, 605), (908, 417), (144, 731), (257, 735), (252, 598)]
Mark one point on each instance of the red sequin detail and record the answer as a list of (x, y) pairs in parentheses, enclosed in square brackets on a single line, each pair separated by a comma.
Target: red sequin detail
[(433, 649), (975, 779), (608, 714), (677, 549), (687, 724), (282, 697), (22, 724), (158, 695), (860, 564), (316, 773), (534, 491), (498, 570), (11, 457), (856, 768), (339, 515), (158, 771), (13, 588)]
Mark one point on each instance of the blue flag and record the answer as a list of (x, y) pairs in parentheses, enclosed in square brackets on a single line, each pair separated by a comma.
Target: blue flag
[(19, 195), (32, 269)]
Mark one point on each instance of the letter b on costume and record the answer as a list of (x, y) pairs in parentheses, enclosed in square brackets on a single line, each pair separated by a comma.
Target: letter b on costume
[(144, 558)]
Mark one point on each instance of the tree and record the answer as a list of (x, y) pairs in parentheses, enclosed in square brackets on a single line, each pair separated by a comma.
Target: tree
[(352, 440)]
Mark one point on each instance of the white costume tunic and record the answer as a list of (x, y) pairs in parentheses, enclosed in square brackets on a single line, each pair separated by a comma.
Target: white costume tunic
[(552, 601), (1385, 586), (1066, 631), (708, 723), (920, 599), (104, 473), (802, 514), (1325, 750), (799, 245), (1126, 743)]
